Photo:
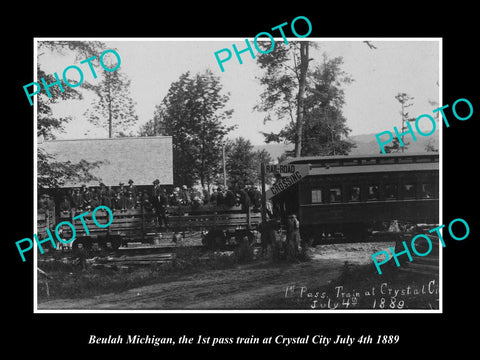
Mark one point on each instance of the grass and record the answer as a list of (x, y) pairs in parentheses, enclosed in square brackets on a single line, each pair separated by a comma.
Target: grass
[(69, 280)]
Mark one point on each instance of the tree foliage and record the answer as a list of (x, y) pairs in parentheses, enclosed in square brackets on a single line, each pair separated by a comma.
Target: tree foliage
[(321, 129), (243, 162), (47, 123), (113, 108), (53, 174), (405, 101), (50, 172), (193, 113)]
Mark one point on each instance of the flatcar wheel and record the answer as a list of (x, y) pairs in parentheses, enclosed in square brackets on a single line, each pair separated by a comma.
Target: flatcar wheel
[(116, 243), (220, 240)]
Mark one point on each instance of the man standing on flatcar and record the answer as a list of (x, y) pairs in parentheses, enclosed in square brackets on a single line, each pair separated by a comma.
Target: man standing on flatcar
[(220, 196), (77, 200), (257, 199), (155, 196), (108, 197), (159, 200), (95, 200), (65, 204), (130, 200), (244, 199), (121, 198), (185, 195), (86, 198), (133, 189), (102, 189), (230, 197)]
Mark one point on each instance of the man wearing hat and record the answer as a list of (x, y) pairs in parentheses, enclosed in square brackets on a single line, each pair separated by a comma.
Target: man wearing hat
[(159, 200), (121, 198), (77, 199), (220, 195), (108, 197), (185, 195), (65, 204), (130, 200), (86, 197), (132, 189), (102, 190)]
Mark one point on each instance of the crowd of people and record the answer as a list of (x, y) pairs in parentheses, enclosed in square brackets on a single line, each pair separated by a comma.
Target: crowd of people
[(124, 197), (157, 200)]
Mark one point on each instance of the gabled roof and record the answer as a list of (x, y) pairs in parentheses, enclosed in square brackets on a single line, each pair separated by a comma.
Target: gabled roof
[(142, 159)]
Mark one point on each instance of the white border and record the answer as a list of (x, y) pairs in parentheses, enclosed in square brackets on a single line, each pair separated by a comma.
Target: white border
[(311, 311)]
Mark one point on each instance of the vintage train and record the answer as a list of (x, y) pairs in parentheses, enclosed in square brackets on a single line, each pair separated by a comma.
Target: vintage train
[(337, 197), (219, 226), (349, 196)]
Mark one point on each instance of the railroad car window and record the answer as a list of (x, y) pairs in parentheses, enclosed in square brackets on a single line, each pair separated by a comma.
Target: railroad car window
[(373, 192), (335, 194), (387, 161), (354, 193), (391, 191), (316, 196), (409, 191), (427, 191), (405, 160), (333, 163)]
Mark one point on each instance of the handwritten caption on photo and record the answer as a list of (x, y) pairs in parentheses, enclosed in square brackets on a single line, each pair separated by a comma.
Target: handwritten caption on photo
[(383, 296)]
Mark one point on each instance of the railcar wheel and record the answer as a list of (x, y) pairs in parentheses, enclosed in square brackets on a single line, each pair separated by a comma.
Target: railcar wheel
[(214, 239), (115, 241)]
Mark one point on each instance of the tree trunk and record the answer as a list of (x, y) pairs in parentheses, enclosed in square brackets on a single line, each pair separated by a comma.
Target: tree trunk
[(301, 94), (110, 127)]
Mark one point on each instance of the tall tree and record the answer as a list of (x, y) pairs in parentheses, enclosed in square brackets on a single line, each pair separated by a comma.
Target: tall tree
[(113, 108), (262, 157), (325, 130), (321, 127), (431, 145), (285, 81), (50, 172), (155, 126), (243, 162), (405, 101), (47, 123), (193, 113)]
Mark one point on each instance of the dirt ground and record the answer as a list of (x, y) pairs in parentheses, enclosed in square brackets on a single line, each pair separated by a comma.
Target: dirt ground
[(248, 286)]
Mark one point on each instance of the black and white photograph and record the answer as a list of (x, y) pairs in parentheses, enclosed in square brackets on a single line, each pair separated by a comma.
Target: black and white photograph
[(292, 181), (217, 181)]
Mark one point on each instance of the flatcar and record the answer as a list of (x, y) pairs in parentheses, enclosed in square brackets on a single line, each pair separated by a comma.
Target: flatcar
[(219, 225), (352, 195)]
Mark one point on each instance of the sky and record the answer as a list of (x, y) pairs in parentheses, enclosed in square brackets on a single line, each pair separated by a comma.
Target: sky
[(396, 65)]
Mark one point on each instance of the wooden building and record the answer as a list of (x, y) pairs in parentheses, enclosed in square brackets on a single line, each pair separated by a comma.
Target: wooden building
[(142, 159)]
